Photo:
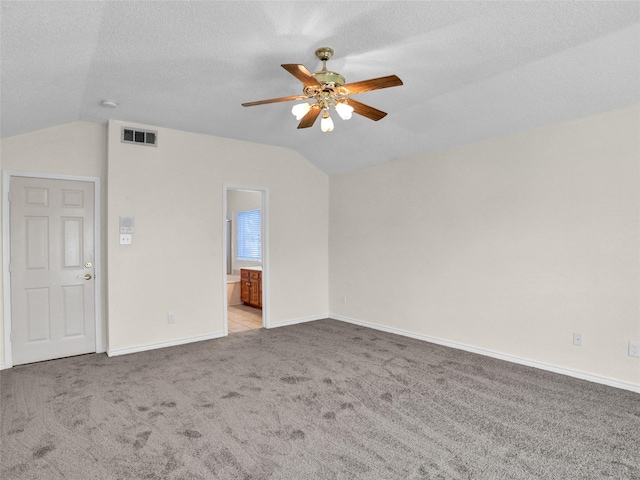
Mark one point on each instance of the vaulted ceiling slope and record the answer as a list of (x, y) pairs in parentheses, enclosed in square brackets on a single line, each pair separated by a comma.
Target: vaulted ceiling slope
[(471, 70)]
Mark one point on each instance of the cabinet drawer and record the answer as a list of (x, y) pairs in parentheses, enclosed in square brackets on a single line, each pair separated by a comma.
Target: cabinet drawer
[(253, 275)]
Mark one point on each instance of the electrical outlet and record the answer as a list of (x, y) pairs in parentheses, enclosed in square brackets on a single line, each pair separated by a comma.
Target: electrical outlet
[(171, 317), (344, 299), (577, 339), (634, 349)]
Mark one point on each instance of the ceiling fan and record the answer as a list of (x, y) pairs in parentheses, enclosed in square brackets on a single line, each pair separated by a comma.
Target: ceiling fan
[(329, 88)]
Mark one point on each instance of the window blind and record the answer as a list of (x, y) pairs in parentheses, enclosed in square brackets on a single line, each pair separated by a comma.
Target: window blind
[(249, 231)]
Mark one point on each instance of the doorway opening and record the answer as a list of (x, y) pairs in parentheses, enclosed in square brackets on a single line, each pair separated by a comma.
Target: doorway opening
[(245, 279)]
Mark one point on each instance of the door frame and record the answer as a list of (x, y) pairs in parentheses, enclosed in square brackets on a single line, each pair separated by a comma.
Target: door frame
[(6, 255), (265, 252)]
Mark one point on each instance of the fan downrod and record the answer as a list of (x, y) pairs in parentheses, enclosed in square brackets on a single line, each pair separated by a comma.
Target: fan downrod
[(327, 78)]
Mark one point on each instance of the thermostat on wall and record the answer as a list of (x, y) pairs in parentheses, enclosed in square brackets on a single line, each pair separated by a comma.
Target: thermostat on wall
[(126, 224)]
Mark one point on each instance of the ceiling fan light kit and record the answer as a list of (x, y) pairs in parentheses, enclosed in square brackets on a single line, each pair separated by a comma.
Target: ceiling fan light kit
[(328, 89), (300, 110), (344, 110), (326, 124)]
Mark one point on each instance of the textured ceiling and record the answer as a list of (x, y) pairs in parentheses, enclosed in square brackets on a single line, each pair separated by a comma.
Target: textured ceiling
[(471, 70)]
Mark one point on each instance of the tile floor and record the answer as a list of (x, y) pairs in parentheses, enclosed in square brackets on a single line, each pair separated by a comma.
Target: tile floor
[(242, 318)]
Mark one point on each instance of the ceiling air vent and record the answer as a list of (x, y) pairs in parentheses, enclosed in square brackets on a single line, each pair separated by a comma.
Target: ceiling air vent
[(139, 137)]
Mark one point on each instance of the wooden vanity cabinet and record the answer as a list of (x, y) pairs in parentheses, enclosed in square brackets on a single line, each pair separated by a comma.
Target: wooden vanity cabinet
[(251, 287)]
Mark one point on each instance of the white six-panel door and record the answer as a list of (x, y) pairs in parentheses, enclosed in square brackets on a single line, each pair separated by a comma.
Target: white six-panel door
[(52, 268)]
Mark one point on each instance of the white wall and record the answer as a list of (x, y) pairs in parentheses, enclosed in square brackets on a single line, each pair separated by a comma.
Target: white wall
[(176, 262), (2, 361), (240, 201), (508, 245), (77, 149)]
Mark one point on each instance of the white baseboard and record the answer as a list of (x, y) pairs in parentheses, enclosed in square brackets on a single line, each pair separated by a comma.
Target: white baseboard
[(295, 321), (500, 356), (144, 348), (3, 366)]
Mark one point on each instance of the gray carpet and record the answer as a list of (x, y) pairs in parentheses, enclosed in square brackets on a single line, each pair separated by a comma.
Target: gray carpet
[(322, 400)]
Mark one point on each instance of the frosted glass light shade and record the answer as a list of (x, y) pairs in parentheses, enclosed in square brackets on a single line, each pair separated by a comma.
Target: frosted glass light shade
[(301, 110), (345, 111), (326, 124)]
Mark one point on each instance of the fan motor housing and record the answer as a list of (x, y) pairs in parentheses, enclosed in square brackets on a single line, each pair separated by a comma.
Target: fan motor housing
[(331, 78)]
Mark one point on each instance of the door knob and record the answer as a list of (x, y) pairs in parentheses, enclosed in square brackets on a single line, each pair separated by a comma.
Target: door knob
[(86, 276)]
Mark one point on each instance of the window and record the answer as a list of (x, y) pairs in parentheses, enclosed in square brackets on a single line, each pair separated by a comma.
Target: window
[(249, 230)]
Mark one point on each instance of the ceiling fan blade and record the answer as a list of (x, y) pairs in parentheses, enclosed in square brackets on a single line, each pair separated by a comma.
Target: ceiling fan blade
[(310, 118), (302, 74), (373, 84), (366, 111), (274, 100)]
